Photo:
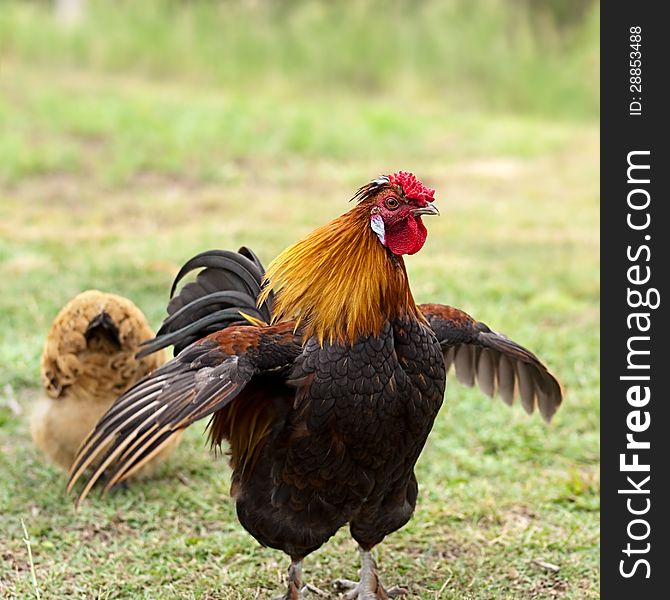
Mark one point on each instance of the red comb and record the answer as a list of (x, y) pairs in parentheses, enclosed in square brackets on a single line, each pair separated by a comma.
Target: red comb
[(411, 186)]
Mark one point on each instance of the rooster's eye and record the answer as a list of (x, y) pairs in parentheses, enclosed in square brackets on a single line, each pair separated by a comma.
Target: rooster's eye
[(392, 203)]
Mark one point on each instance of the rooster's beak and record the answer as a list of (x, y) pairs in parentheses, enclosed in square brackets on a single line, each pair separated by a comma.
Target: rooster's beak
[(429, 209)]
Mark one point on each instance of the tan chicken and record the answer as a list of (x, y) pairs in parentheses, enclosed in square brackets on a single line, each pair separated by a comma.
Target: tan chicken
[(88, 361)]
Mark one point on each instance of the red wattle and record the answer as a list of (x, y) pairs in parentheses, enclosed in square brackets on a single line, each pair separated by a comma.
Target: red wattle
[(407, 236)]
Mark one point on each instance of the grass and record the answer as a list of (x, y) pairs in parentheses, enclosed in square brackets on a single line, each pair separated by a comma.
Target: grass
[(113, 173), (502, 55)]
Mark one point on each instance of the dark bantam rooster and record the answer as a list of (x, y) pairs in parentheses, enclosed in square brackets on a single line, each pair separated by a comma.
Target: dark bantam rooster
[(323, 375)]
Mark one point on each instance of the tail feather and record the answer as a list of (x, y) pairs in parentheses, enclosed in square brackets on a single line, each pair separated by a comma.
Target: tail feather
[(228, 284), (251, 255), (205, 305), (186, 335), (226, 265)]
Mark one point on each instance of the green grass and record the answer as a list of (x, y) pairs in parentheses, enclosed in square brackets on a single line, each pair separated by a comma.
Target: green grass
[(501, 54), (113, 171)]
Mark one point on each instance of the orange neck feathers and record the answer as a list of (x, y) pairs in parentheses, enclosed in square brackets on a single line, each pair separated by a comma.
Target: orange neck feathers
[(339, 282)]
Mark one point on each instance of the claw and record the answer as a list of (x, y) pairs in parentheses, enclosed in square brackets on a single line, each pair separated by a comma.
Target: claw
[(300, 595), (350, 590), (314, 590), (344, 585), (369, 587)]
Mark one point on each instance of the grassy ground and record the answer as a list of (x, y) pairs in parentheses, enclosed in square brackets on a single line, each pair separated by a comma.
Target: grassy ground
[(112, 177)]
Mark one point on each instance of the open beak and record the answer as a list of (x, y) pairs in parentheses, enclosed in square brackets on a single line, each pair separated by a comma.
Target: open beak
[(429, 209)]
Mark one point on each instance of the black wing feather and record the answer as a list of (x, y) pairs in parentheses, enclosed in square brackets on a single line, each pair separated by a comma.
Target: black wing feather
[(200, 381), (493, 361)]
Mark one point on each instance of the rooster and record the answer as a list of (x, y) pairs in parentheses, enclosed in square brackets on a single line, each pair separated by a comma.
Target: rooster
[(322, 374), (88, 361)]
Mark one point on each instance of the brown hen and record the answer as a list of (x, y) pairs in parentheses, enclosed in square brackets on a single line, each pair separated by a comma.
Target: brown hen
[(88, 361)]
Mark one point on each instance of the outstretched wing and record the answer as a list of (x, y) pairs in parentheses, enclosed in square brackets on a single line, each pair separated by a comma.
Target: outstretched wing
[(203, 379), (493, 361)]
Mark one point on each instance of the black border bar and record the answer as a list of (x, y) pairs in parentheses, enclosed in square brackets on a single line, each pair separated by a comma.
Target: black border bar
[(635, 345)]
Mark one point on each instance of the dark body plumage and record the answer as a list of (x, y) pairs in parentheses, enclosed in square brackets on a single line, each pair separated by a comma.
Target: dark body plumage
[(324, 427), (356, 420)]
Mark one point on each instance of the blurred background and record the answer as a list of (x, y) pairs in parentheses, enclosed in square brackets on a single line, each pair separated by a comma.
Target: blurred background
[(135, 134)]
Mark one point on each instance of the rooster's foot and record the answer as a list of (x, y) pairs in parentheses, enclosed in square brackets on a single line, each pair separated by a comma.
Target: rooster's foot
[(353, 590), (296, 589), (369, 587), (302, 593)]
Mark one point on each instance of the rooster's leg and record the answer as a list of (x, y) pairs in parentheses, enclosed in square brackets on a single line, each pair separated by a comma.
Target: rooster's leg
[(369, 587), (296, 588), (294, 591)]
